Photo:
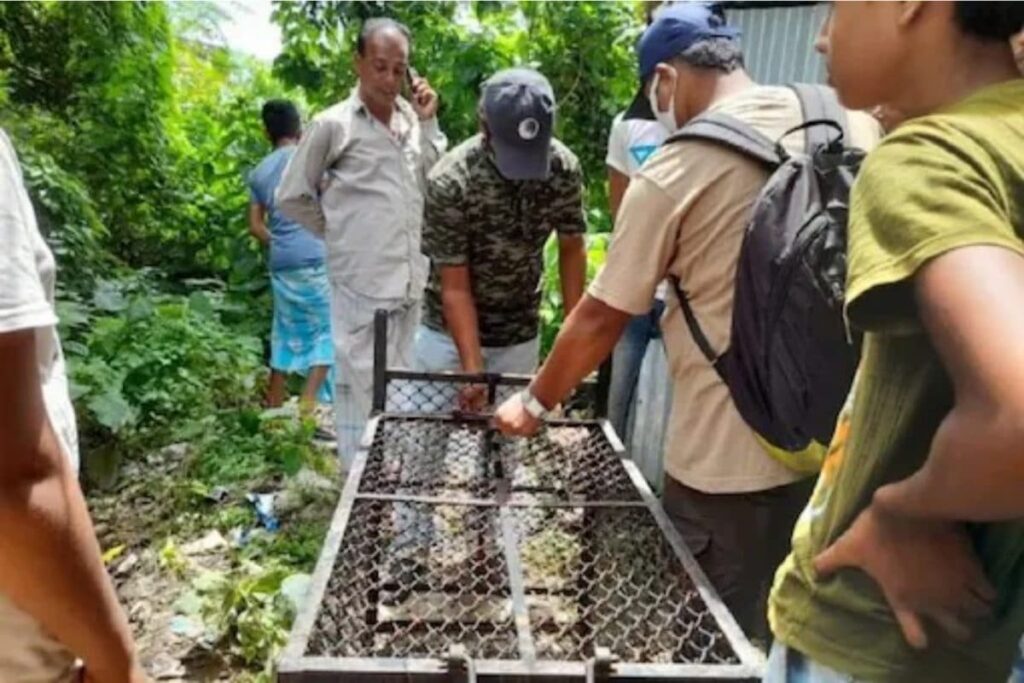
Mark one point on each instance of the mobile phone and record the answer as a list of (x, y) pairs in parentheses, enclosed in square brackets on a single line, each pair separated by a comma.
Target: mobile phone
[(410, 77)]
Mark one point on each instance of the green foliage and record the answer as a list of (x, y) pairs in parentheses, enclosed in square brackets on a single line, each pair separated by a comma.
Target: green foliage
[(171, 559), (551, 312), (164, 125), (119, 60), (455, 55), (458, 45), (68, 218), (297, 545), (99, 75), (135, 128), (220, 96), (246, 445), (246, 611), (586, 51), (144, 363)]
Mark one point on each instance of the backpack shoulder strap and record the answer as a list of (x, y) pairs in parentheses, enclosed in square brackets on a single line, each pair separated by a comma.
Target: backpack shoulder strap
[(740, 137), (731, 133), (819, 102), (692, 324)]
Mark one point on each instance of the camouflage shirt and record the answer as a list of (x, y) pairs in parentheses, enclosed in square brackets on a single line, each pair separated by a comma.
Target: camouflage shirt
[(497, 227)]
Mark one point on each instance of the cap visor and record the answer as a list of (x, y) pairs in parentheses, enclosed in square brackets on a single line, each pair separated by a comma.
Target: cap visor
[(640, 108), (523, 163)]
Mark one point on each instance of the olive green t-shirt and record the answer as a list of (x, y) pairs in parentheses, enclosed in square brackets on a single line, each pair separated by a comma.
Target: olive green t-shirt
[(948, 180)]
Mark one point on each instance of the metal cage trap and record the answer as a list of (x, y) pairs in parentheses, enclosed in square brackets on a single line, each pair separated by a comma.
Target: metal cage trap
[(457, 554)]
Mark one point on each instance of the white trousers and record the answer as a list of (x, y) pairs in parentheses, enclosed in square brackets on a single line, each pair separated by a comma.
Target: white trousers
[(352, 317)]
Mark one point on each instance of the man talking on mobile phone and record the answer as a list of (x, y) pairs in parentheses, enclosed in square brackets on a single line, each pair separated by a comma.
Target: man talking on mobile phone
[(357, 179)]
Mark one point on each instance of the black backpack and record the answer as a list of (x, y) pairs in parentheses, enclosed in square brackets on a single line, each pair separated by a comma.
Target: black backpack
[(791, 362)]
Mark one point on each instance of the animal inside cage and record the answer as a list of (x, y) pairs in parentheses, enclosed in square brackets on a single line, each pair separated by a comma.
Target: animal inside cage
[(457, 554)]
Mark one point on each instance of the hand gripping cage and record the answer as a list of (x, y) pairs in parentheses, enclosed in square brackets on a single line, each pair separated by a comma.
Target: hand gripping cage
[(457, 554)]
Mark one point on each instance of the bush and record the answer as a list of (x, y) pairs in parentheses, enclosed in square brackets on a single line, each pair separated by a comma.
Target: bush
[(140, 363)]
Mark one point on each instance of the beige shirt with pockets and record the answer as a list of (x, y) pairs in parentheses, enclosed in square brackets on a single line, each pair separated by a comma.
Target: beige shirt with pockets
[(359, 184), (684, 214)]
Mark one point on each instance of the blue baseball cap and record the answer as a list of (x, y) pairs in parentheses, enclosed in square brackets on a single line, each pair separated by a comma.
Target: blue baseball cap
[(675, 28)]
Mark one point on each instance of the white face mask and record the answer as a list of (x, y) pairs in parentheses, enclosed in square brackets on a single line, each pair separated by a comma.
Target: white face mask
[(666, 118)]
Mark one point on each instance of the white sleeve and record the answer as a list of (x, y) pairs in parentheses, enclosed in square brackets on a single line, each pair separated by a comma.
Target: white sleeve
[(618, 155), (23, 302), (298, 194)]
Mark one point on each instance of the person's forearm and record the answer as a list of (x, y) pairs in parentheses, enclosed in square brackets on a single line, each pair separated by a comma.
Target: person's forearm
[(617, 184), (260, 233), (587, 337), (572, 271), (461, 318), (974, 472), (50, 566)]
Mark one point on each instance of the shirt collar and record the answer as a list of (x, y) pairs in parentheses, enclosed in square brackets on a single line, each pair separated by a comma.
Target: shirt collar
[(402, 106)]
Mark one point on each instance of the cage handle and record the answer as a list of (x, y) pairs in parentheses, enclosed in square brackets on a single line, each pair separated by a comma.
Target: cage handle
[(461, 668), (600, 666)]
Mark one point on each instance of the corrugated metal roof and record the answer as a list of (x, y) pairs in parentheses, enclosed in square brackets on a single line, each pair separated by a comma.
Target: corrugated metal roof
[(778, 42)]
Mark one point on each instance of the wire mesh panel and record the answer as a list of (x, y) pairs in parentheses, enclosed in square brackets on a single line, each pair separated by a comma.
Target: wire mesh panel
[(606, 577), (417, 392), (439, 393), (465, 459), (570, 462), (533, 557), (413, 578), (421, 457)]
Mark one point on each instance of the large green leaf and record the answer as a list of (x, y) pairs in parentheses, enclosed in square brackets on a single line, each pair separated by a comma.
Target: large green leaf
[(112, 410)]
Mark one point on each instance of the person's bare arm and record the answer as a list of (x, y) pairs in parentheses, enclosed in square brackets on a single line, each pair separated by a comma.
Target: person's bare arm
[(460, 316), (50, 562), (572, 269), (911, 539), (586, 339), (618, 182), (970, 302), (257, 223)]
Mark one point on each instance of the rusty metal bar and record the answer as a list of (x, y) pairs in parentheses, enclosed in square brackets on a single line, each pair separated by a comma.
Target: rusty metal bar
[(461, 668), (395, 670), (511, 501), (298, 641), (600, 666), (604, 383), (380, 359), (520, 612)]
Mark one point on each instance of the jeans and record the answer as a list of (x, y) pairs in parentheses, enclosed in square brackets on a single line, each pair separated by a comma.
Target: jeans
[(436, 352), (626, 361), (786, 665)]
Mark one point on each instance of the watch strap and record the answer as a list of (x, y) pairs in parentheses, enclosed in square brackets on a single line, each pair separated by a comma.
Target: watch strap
[(533, 406)]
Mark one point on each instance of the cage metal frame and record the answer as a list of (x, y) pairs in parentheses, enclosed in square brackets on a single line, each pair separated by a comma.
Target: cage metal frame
[(296, 666)]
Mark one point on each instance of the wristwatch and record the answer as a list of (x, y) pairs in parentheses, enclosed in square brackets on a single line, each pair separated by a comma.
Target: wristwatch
[(533, 406)]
